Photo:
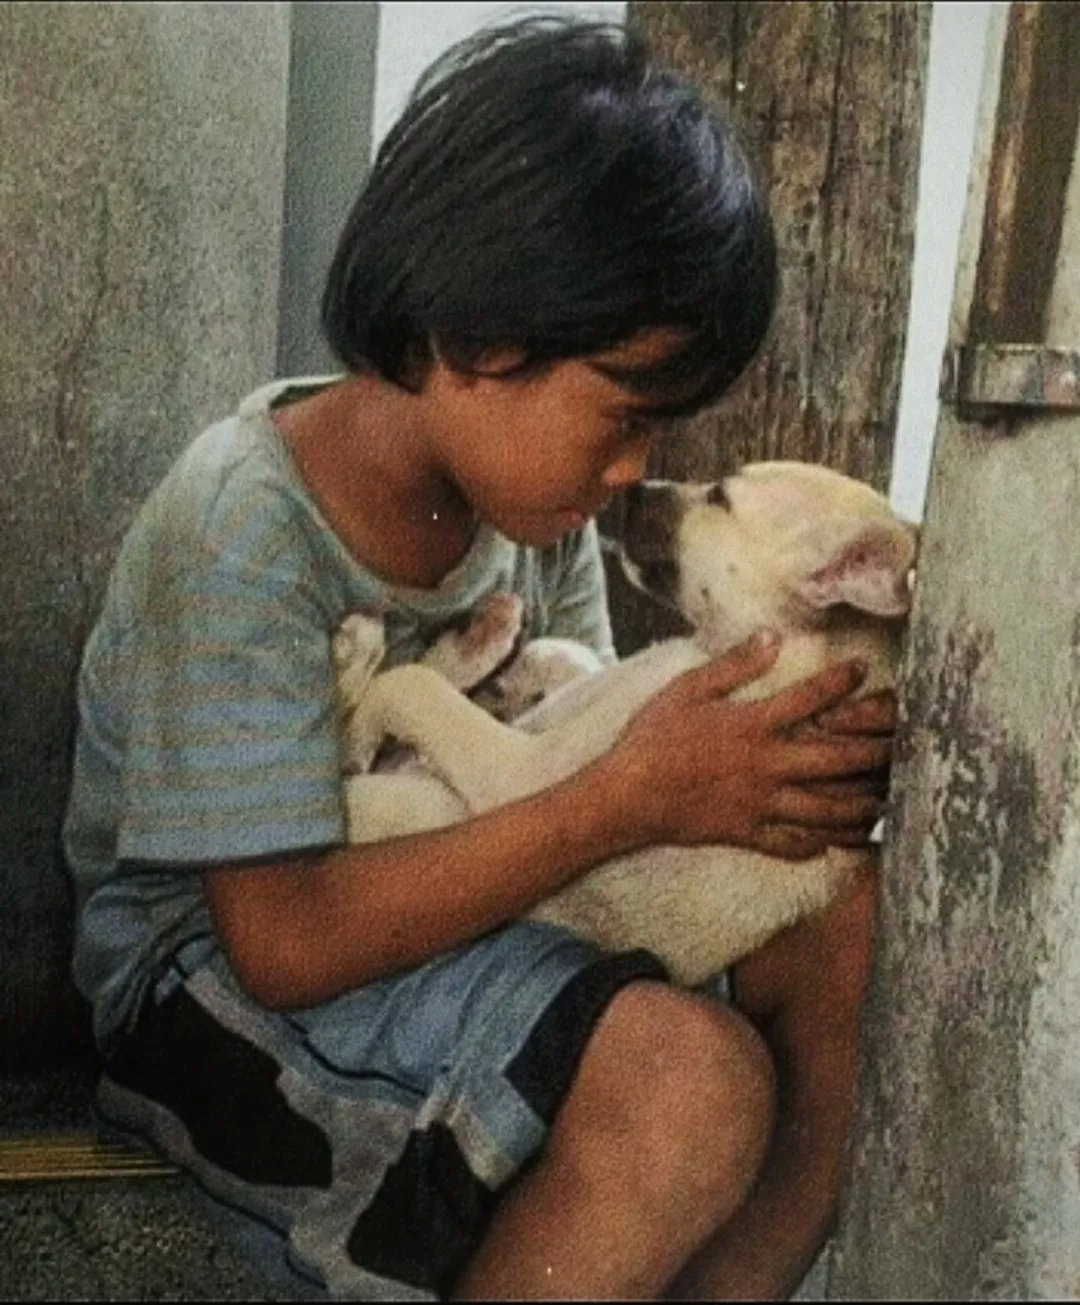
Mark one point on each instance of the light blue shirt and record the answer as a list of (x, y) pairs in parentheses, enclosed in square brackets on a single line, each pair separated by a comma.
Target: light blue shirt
[(207, 730)]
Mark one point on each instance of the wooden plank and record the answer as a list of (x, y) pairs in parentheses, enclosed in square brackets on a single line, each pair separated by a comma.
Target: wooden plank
[(68, 1156), (829, 97), (1038, 111)]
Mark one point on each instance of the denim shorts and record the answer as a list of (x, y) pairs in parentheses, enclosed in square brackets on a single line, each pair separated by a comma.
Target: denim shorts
[(374, 1131)]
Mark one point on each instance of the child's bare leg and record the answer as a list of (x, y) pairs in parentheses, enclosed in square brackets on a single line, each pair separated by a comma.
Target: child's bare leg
[(657, 1143), (804, 991)]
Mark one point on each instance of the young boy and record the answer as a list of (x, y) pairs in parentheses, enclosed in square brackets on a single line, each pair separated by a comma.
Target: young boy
[(558, 247)]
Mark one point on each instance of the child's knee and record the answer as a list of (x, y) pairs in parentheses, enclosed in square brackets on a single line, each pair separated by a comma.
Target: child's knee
[(679, 1091)]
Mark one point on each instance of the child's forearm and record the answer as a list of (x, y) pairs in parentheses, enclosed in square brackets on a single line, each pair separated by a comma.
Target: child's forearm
[(301, 930)]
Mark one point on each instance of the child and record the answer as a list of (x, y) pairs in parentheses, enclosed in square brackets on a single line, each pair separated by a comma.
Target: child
[(557, 249)]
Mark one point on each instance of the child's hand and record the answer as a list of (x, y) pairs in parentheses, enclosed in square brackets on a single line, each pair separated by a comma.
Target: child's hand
[(789, 775)]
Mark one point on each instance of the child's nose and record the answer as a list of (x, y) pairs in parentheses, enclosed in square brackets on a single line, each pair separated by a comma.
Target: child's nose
[(629, 467)]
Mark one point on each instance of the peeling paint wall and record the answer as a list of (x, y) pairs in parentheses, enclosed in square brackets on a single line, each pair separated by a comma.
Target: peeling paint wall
[(966, 1171), (140, 231), (966, 1182)]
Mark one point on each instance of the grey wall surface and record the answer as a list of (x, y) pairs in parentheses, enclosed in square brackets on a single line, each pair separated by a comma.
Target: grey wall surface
[(966, 1159), (331, 94), (140, 236)]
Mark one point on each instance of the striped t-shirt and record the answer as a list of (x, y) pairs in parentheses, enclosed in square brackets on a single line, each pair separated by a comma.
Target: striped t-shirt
[(207, 728)]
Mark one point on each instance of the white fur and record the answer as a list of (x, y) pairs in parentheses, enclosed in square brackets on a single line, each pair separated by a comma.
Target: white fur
[(813, 554)]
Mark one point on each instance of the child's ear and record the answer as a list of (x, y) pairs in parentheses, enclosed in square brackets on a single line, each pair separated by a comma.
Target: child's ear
[(870, 570)]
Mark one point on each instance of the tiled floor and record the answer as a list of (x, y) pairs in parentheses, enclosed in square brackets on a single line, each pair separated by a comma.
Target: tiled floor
[(133, 1238)]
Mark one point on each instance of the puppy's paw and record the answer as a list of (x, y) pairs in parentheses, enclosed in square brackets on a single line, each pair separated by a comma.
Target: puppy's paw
[(494, 629), (360, 638), (356, 650), (465, 657)]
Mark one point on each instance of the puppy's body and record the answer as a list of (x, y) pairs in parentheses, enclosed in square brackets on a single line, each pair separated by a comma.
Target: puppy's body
[(818, 557)]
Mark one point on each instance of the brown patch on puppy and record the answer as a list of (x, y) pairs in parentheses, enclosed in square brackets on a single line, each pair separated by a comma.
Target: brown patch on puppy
[(650, 538)]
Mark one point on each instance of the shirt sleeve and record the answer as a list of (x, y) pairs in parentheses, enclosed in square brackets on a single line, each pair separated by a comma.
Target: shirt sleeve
[(579, 609), (232, 747)]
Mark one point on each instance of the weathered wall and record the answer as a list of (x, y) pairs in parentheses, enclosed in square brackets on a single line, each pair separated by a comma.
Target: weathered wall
[(140, 220), (966, 1180)]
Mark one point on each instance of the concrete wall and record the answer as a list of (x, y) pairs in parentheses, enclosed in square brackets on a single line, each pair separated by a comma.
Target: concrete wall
[(140, 231), (966, 1174)]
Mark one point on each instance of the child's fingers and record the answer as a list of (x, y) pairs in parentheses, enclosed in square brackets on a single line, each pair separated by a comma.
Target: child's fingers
[(799, 806), (871, 783), (854, 838), (875, 713), (834, 759), (792, 842), (802, 701)]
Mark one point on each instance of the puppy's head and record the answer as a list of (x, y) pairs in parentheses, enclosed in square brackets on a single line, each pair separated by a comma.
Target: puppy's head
[(779, 545)]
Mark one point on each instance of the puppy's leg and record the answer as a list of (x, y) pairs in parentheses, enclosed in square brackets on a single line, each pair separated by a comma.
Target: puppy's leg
[(465, 657), (486, 762), (384, 806), (541, 668), (356, 651)]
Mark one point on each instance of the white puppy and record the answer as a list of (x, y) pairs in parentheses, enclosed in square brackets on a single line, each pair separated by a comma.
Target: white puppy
[(812, 554)]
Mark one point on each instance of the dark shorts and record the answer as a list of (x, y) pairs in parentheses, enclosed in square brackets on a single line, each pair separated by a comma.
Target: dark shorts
[(374, 1131)]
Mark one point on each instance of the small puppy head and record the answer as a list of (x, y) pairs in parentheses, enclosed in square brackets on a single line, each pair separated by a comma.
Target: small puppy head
[(779, 545)]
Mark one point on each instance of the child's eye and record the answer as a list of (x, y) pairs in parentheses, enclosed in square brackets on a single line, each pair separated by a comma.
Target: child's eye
[(636, 426)]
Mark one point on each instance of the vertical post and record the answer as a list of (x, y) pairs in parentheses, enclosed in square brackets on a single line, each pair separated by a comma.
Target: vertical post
[(331, 100), (966, 1165)]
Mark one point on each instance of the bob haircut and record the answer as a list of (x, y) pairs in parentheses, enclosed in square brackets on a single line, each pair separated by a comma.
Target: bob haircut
[(548, 189)]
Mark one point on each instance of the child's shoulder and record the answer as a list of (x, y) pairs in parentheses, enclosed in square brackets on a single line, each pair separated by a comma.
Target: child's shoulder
[(234, 471)]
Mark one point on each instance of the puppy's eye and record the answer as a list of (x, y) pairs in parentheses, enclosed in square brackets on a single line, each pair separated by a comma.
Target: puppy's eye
[(717, 496)]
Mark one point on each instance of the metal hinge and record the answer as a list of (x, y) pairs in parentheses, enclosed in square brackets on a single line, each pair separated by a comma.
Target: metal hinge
[(980, 380)]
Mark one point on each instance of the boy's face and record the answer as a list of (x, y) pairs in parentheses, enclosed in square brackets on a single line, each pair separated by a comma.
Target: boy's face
[(537, 454)]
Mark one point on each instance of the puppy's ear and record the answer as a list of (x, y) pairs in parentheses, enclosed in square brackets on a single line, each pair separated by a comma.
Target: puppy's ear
[(869, 570)]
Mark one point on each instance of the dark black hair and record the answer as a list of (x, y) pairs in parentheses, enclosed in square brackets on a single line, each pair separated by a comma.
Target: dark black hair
[(549, 189)]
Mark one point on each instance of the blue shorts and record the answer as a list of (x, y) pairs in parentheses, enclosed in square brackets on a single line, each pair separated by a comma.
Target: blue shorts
[(376, 1130)]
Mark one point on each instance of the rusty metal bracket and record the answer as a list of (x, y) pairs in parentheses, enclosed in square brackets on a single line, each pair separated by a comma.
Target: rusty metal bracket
[(980, 380)]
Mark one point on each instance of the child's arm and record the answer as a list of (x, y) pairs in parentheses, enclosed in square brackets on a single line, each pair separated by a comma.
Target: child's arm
[(693, 767)]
